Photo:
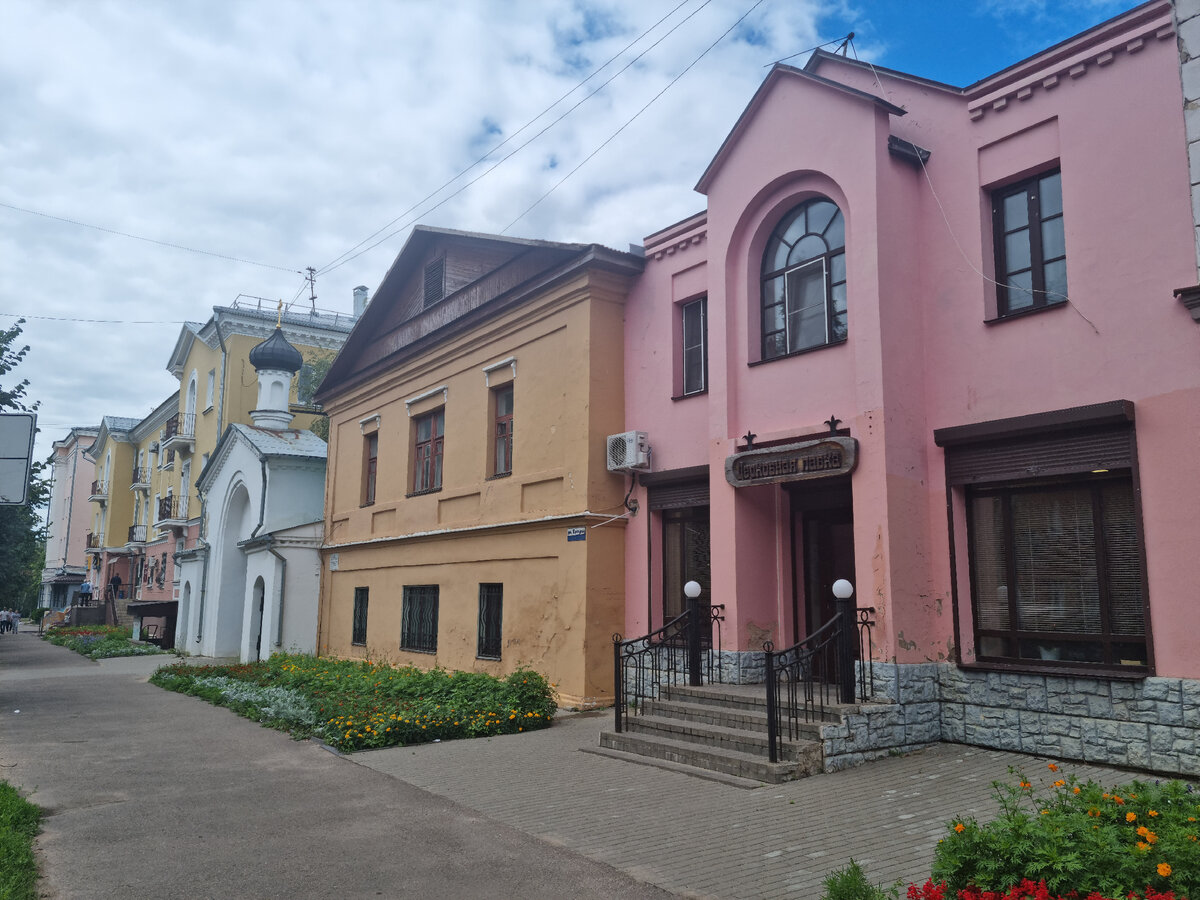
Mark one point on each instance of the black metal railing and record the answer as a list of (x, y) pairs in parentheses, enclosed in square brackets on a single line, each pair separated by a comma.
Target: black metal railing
[(140, 475), (137, 534), (180, 425), (99, 487), (686, 650), (802, 680), (95, 540), (166, 507)]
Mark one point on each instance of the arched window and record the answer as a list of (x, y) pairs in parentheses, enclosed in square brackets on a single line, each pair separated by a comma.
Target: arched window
[(804, 281)]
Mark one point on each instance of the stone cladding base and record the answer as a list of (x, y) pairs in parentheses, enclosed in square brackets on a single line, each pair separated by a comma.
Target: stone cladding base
[(1149, 723)]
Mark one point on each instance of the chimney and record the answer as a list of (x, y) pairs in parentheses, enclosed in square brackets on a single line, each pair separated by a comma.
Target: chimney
[(360, 300)]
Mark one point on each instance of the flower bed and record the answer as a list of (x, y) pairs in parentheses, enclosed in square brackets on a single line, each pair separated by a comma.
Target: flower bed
[(1073, 841), (99, 641), (20, 822), (362, 705)]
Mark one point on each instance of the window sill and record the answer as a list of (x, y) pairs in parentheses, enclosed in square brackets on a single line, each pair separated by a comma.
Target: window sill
[(435, 490), (692, 394), (1021, 314), (498, 475), (358, 643), (1030, 667), (488, 658), (415, 650), (206, 410), (365, 505), (763, 362)]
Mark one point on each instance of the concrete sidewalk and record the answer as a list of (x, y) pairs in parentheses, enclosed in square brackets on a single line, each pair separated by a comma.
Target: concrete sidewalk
[(153, 794)]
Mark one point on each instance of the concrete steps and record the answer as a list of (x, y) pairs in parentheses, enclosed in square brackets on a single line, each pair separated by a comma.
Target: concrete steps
[(722, 728)]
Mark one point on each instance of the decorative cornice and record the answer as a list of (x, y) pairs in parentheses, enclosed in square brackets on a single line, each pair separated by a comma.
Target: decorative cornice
[(1073, 67), (678, 246), (1190, 297)]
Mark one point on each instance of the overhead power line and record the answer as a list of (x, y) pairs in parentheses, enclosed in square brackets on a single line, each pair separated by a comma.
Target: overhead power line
[(349, 255), (138, 237), (632, 118)]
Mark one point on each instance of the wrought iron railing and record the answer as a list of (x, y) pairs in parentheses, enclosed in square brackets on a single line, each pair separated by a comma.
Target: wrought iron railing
[(137, 534), (95, 540), (180, 425), (140, 475), (802, 680), (686, 650), (166, 507), (99, 487)]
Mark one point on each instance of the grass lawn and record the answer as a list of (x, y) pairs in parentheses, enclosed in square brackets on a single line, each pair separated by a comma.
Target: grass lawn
[(362, 705), (19, 821)]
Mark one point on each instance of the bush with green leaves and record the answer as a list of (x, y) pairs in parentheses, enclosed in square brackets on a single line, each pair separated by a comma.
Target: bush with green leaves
[(99, 641), (1079, 836), (851, 883), (364, 705)]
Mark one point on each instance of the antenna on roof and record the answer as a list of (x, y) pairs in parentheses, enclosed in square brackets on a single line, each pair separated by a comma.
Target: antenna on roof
[(312, 286), (845, 44)]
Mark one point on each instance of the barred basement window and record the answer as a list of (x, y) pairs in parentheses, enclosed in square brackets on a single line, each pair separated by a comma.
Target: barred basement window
[(359, 634), (419, 619), (491, 601)]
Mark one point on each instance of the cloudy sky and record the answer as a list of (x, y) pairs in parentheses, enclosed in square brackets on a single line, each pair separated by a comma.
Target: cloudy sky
[(242, 142)]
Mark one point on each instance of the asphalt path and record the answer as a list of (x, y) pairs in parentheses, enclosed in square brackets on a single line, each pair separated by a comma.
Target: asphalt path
[(152, 794)]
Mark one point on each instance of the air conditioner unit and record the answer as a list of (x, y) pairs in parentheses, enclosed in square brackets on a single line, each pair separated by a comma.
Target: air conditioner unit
[(629, 452)]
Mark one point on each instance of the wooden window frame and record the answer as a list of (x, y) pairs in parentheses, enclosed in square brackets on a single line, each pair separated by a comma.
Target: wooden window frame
[(428, 453), (1034, 223), (370, 467), (833, 275), (502, 431), (694, 308), (419, 618), (358, 624), (491, 618), (1013, 637)]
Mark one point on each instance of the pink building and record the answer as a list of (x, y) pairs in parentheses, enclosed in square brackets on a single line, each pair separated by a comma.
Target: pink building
[(924, 338), (68, 519)]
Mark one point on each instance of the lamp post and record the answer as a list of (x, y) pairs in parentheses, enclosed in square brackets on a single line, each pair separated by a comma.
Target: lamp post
[(843, 590), (691, 590)]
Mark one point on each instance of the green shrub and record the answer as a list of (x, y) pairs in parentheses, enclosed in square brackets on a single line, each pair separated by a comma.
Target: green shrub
[(1078, 836), (19, 824), (364, 705), (851, 883), (99, 641)]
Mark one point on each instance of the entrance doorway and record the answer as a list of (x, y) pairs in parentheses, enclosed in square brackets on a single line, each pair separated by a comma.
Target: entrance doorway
[(822, 552)]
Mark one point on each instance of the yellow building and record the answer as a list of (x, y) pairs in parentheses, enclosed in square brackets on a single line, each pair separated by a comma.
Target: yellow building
[(146, 513), (470, 519)]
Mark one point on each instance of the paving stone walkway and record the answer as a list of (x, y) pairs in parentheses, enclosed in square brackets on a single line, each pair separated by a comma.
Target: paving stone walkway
[(699, 838)]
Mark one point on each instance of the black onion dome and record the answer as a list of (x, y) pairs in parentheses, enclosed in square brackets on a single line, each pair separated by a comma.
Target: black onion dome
[(276, 353)]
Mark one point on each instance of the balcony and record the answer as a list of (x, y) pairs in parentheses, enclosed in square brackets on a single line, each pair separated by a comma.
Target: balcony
[(95, 541), (139, 480), (179, 433), (99, 492), (172, 512), (137, 534), (168, 460)]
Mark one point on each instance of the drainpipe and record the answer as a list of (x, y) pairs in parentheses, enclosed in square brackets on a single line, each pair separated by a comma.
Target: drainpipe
[(224, 373), (202, 534)]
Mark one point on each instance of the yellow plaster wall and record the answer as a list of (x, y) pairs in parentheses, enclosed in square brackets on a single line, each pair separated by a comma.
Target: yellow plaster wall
[(562, 601)]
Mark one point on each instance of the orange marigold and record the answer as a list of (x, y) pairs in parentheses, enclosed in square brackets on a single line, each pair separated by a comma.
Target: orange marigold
[(1059, 783), (959, 827), (1052, 767), (1142, 845), (1130, 817), (1152, 812), (1164, 869)]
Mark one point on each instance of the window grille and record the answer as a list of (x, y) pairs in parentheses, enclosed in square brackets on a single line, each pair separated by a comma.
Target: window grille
[(419, 619), (359, 631), (491, 601)]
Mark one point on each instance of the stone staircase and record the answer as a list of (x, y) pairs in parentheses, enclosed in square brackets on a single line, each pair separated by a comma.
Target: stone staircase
[(722, 728)]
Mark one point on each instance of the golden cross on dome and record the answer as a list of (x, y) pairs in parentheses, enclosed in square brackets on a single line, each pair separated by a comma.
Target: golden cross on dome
[(279, 318)]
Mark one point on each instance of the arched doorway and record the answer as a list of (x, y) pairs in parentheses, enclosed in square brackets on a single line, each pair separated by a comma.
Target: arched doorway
[(231, 589)]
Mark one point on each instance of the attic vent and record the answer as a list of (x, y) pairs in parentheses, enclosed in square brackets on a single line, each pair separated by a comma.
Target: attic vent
[(435, 282)]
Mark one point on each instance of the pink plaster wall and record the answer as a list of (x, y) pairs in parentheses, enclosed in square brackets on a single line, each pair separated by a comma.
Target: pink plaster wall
[(1106, 108)]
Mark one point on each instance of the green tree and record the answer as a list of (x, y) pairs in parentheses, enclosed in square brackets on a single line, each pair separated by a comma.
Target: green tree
[(22, 537), (312, 373)]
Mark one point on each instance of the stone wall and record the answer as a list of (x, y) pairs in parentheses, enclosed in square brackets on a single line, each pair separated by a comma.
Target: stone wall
[(1150, 723)]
